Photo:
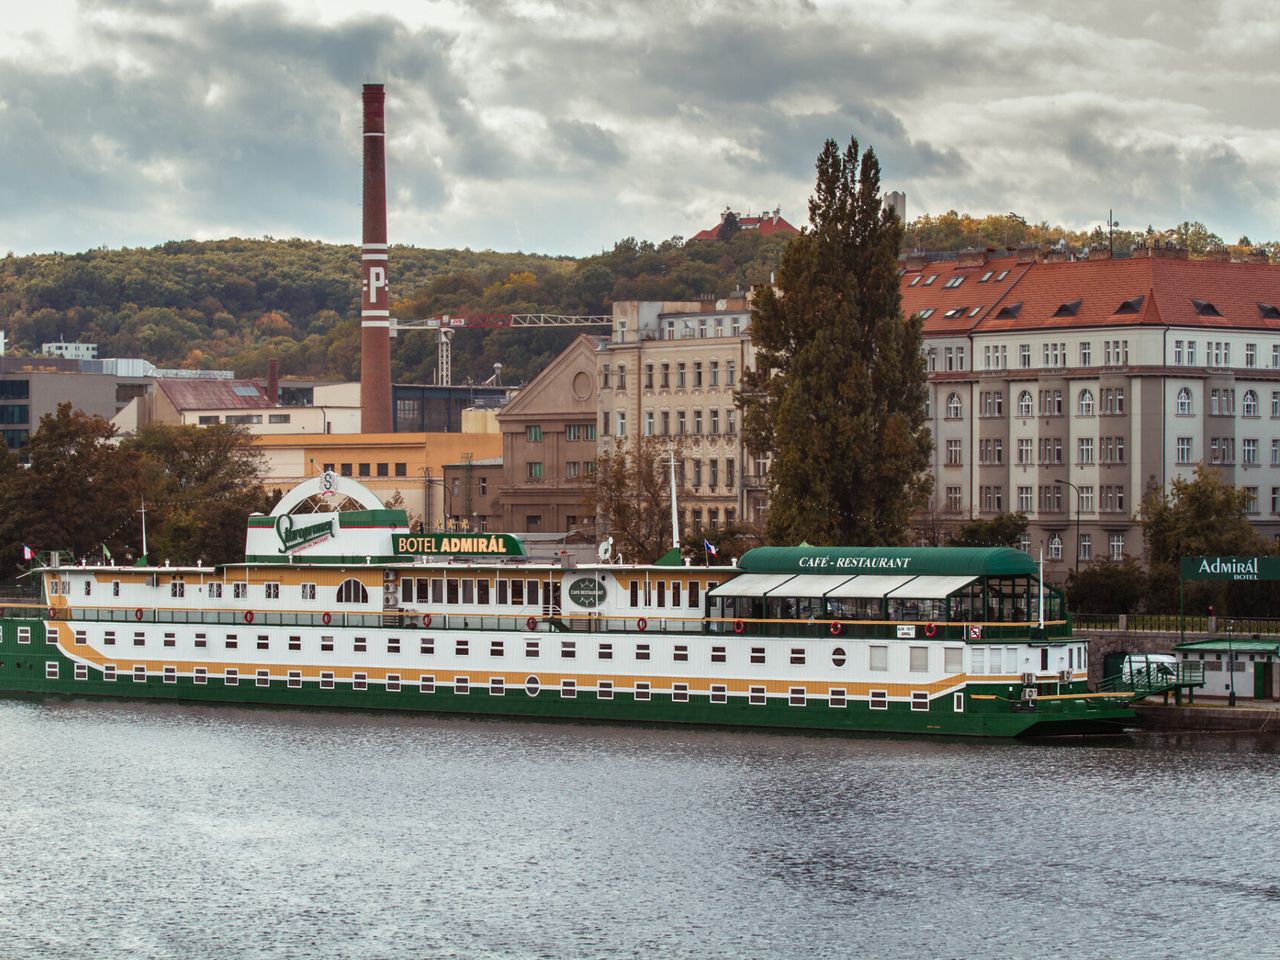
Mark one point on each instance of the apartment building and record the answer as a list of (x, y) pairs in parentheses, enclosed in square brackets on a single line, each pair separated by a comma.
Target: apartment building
[(1065, 389), (670, 370), (549, 444)]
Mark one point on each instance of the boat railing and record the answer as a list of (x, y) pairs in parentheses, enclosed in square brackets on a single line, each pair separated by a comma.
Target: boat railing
[(972, 632)]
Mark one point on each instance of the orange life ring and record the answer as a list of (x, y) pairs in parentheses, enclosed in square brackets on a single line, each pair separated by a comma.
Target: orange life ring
[(836, 628), (642, 624), (738, 626), (930, 629), (137, 614), (531, 624), (248, 616), (426, 620), (326, 618)]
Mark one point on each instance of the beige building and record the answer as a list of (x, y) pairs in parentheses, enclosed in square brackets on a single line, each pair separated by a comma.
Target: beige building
[(670, 370), (549, 444), (409, 466)]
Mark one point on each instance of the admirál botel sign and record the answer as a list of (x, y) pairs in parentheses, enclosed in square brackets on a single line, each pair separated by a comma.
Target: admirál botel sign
[(1230, 568)]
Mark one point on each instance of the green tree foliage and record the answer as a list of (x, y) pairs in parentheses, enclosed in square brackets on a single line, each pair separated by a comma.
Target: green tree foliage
[(1202, 516), (235, 303), (84, 487), (630, 497), (201, 484), (838, 395), (1107, 586), (1002, 530)]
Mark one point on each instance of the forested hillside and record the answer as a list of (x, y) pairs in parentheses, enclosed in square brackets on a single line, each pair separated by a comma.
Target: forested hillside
[(235, 303)]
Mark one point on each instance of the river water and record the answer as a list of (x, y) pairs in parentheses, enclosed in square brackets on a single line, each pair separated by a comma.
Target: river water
[(141, 830)]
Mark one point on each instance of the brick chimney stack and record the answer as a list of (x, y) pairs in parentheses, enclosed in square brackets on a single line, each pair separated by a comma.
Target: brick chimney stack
[(375, 302)]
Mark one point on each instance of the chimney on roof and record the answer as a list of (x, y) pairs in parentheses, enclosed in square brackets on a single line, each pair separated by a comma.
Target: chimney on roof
[(971, 258), (1218, 254), (916, 261), (273, 380), (1159, 250), (1028, 253), (1257, 255), (1099, 251)]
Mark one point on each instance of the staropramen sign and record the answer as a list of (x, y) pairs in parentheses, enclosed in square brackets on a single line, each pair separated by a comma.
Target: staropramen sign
[(294, 538), (1230, 568)]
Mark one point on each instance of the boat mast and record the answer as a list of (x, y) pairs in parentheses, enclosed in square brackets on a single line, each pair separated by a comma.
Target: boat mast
[(143, 511), (675, 516)]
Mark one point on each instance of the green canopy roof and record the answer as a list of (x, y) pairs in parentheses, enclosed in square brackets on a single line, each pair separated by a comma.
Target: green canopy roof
[(919, 561), (1239, 643)]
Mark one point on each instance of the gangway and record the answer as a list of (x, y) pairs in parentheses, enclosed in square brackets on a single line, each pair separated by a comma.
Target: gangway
[(446, 325), (1142, 680)]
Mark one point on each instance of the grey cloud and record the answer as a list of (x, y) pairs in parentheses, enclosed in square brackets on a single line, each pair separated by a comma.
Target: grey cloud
[(585, 144)]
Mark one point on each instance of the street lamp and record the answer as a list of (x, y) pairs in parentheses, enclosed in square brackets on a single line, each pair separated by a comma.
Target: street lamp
[(1231, 667), (1077, 490)]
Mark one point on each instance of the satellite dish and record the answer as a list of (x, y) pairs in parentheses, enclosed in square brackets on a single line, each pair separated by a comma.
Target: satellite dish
[(605, 550)]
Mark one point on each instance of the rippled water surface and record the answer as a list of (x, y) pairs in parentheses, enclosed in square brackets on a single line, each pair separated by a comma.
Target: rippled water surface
[(161, 831)]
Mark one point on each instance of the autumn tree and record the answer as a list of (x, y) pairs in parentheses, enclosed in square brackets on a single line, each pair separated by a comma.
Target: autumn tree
[(630, 497), (1201, 516), (1002, 530), (201, 484), (837, 398), (79, 492)]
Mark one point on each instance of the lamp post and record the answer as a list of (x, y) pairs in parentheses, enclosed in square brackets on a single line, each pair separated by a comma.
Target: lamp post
[(1231, 667), (1077, 490)]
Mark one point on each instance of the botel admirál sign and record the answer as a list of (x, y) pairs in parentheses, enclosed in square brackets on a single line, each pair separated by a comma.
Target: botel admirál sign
[(295, 538), (486, 544), (1230, 568)]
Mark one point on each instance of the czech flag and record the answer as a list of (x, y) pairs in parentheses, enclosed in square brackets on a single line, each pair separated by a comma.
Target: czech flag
[(710, 549), (28, 553)]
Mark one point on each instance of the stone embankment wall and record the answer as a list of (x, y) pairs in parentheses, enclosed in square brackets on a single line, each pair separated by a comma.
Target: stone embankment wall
[(1103, 642)]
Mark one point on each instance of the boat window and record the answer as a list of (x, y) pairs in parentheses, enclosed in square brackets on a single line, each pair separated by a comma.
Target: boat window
[(642, 651), (719, 693), (451, 595), (953, 660), (756, 696), (427, 646), (919, 662), (352, 591), (662, 593), (642, 690), (635, 593), (437, 590), (675, 593), (757, 654), (495, 648), (604, 690), (482, 591), (517, 592), (879, 657), (838, 697), (680, 693), (693, 593), (468, 591), (879, 700), (796, 697), (919, 699)]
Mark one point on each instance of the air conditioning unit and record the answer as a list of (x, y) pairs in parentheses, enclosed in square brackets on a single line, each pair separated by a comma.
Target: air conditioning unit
[(1028, 678), (1029, 693), (1065, 676)]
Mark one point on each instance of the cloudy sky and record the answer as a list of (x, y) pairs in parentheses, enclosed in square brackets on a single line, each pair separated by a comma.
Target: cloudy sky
[(559, 126)]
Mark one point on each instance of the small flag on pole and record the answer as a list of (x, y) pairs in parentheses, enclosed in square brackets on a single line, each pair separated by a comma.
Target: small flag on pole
[(106, 553), (710, 549), (28, 553)]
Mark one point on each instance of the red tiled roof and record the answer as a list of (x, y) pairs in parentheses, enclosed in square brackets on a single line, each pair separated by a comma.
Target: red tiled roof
[(973, 293), (213, 394), (1097, 293), (765, 226)]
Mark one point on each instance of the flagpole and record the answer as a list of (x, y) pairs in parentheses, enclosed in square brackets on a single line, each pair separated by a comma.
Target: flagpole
[(1042, 590), (675, 516)]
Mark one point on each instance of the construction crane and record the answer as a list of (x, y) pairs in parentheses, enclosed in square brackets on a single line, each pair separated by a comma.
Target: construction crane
[(446, 325)]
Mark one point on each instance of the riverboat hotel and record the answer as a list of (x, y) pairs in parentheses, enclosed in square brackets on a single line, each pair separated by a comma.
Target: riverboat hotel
[(347, 608)]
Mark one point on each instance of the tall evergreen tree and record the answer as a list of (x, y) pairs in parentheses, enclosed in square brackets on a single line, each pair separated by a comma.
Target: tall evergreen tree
[(838, 395)]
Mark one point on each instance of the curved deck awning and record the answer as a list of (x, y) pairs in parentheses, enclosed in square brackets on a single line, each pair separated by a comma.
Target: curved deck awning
[(752, 585), (931, 588), (869, 587)]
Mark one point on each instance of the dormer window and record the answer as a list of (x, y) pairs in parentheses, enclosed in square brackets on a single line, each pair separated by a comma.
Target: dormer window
[(1068, 309), (932, 277), (955, 312), (1001, 275), (953, 282), (1269, 312), (926, 314), (1009, 312), (1205, 308), (1131, 306)]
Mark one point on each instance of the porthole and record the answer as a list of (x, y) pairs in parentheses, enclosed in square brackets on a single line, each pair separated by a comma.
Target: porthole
[(838, 657), (531, 686)]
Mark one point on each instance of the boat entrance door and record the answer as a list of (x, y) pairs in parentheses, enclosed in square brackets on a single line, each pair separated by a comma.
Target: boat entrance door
[(1262, 680), (551, 599)]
